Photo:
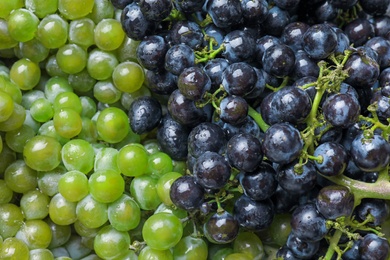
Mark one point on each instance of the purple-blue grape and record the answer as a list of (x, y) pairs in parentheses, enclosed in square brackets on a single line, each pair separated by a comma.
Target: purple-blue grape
[(224, 13), (341, 110), (151, 52), (279, 60), (160, 82), (179, 57), (377, 208), (193, 83), (234, 110), (374, 247), (334, 158), (239, 46), (187, 32), (335, 201), (155, 10), (292, 35), (254, 10), (359, 31), (186, 193), (319, 41), (145, 113), (302, 249), (134, 23), (239, 78), (275, 21)]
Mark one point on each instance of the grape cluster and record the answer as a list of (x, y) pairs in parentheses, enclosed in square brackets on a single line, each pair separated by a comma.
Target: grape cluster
[(180, 129)]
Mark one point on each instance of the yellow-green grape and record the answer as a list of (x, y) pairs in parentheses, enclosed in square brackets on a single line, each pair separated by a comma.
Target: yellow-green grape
[(88, 130), (7, 86), (6, 192), (238, 256), (6, 6), (25, 73), (250, 244), (55, 86), (106, 186), (112, 125), (88, 106), (6, 41), (71, 58), (62, 211), (42, 110), (280, 228), (16, 119), (13, 248), (159, 163), (42, 8), (101, 64), (73, 186), (6, 106), (102, 9), (148, 253), (106, 159), (81, 32), (132, 160), (42, 153), (67, 122), (190, 248), (22, 24), (41, 254), (81, 82), (74, 9), (143, 190), (91, 213), (106, 92), (11, 219), (128, 76), (30, 122), (124, 214), (108, 34), (7, 156), (60, 233), (34, 50), (20, 177), (83, 231), (52, 67), (110, 243), (34, 205), (48, 129), (67, 100), (53, 31), (163, 186), (48, 181), (35, 233), (16, 139), (78, 154), (128, 50)]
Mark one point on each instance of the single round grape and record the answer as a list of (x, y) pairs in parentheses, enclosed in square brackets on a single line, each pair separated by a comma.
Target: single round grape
[(25, 74), (42, 110), (128, 76), (301, 248), (22, 24), (106, 92), (91, 213), (110, 243), (159, 163), (221, 228), (132, 160), (35, 233), (148, 253), (73, 185), (81, 32), (56, 85), (143, 190), (280, 228), (35, 205), (67, 99), (374, 247), (67, 122), (88, 130), (106, 159), (78, 154), (106, 186), (109, 34), (190, 248), (163, 186), (48, 180), (71, 58), (7, 42), (124, 214), (53, 31), (8, 5), (145, 114), (42, 8), (48, 129), (81, 82), (19, 177), (101, 64), (103, 10), (73, 9), (16, 139), (60, 233), (186, 193), (6, 106), (41, 254), (16, 119), (14, 248), (112, 125), (62, 211), (11, 220)]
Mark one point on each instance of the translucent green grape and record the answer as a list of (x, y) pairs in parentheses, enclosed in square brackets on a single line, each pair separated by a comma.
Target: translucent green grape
[(30, 96), (91, 213), (9, 87), (11, 219), (190, 248), (42, 8), (102, 9), (67, 122), (48, 181), (6, 106), (88, 106), (88, 130), (55, 86), (164, 184), (6, 192), (106, 159), (73, 186), (52, 67), (78, 154), (74, 9), (159, 163), (25, 74), (128, 76), (143, 190), (16, 119), (71, 58), (106, 186), (101, 64), (106, 92), (6, 41), (42, 110), (81, 32), (180, 213), (35, 204), (62, 211), (132, 160), (35, 233), (13, 248), (48, 129), (16, 139), (42, 153), (128, 50), (280, 228), (41, 254), (249, 243), (124, 214), (20, 177), (110, 243), (53, 31), (148, 253), (77, 247), (108, 34), (83, 231), (112, 125), (60, 233), (6, 6), (22, 25)]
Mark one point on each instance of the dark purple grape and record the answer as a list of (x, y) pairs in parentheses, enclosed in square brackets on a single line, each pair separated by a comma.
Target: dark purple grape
[(121, 4), (186, 194), (193, 83), (283, 200), (161, 82), (214, 33), (151, 52), (155, 10), (239, 46), (334, 158), (375, 7), (205, 137), (187, 32), (343, 4), (211, 170), (224, 13), (189, 6), (254, 10), (239, 78), (329, 134), (234, 110), (214, 69), (263, 43), (145, 113), (319, 41), (282, 143), (307, 80), (275, 21), (325, 12), (279, 60), (377, 208), (297, 182), (292, 35), (287, 4), (260, 184), (179, 57), (172, 137), (221, 228), (134, 22), (286, 253), (381, 25), (359, 31), (308, 224), (353, 252), (374, 247), (341, 110), (370, 154), (382, 106), (342, 41), (253, 215), (384, 82), (382, 47), (302, 249), (335, 201)]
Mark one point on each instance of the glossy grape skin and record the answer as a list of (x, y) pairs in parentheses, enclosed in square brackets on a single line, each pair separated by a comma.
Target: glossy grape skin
[(377, 208), (144, 114), (205, 137), (34, 205), (286, 253), (263, 43), (193, 83), (91, 213), (25, 74), (254, 10), (374, 247), (190, 247), (22, 24), (234, 110), (110, 243), (334, 158), (275, 146), (178, 57), (253, 215), (319, 41), (239, 78), (35, 233), (14, 248), (134, 22), (302, 249), (53, 31), (239, 46), (335, 201), (155, 10), (187, 32), (186, 193), (151, 52), (11, 220), (221, 228), (381, 46), (160, 82), (148, 253), (294, 182), (224, 13), (277, 19), (362, 69), (144, 191)]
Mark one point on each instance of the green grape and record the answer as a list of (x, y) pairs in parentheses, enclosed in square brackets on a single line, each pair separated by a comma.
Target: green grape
[(48, 129), (16, 139), (6, 106), (179, 166), (132, 160), (7, 86), (280, 228), (52, 67), (53, 31), (77, 248), (35, 233), (124, 214), (128, 76), (30, 96), (22, 25), (101, 64), (67, 122), (6, 192), (83, 231), (42, 110), (6, 6), (62, 211), (30, 122), (25, 74), (128, 50), (1, 143), (250, 244), (152, 146), (108, 34), (106, 92), (91, 213), (78, 154), (81, 32), (190, 248), (73, 186), (102, 9), (148, 253), (71, 58), (11, 219), (82, 82), (42, 8), (163, 186), (178, 212), (88, 130), (106, 159), (20, 177), (112, 125), (14, 249), (162, 231), (34, 50), (16, 119), (56, 86), (220, 253), (106, 186), (159, 163), (110, 243), (143, 189), (42, 153), (48, 180), (238, 256), (74, 9), (41, 254), (6, 41), (127, 255), (34, 205), (60, 233), (88, 106), (8, 156)]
